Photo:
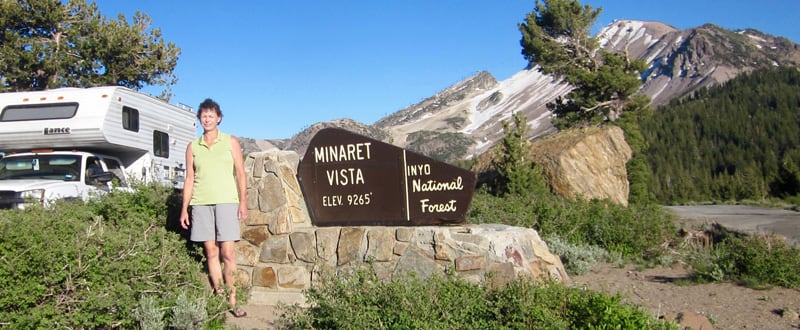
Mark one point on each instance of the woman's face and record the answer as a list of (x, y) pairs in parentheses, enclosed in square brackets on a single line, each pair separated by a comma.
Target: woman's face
[(209, 119)]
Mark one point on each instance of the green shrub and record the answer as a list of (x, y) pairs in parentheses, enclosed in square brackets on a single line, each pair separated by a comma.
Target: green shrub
[(516, 174), (108, 263), (359, 300), (577, 259), (148, 315), (188, 314), (513, 210), (635, 232), (754, 261)]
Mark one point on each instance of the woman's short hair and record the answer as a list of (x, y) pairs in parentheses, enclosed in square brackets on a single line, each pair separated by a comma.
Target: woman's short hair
[(209, 104)]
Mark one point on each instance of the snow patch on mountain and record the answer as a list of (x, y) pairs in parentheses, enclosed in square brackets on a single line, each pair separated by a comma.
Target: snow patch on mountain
[(526, 92)]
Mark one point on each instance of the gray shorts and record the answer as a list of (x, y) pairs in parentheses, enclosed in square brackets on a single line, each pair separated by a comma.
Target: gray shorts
[(218, 222)]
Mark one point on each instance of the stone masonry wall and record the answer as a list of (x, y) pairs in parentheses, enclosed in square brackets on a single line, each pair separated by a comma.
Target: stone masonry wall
[(281, 250)]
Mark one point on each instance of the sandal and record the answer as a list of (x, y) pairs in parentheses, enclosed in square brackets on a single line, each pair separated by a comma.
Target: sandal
[(219, 292), (238, 312)]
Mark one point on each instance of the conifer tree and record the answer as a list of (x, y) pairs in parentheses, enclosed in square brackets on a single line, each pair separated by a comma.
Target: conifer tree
[(555, 37), (517, 173), (48, 44)]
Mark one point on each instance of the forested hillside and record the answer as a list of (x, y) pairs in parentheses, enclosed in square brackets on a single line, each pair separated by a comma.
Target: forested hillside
[(740, 140)]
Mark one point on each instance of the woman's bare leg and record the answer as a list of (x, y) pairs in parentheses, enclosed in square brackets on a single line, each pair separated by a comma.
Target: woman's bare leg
[(228, 251), (212, 262)]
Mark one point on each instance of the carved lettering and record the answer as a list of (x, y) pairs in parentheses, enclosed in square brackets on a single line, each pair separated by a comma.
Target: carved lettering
[(437, 207), (418, 169), (345, 176), (332, 200), (431, 185), (354, 180), (359, 199), (342, 152)]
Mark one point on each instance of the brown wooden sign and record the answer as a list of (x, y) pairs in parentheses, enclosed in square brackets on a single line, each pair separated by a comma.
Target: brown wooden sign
[(353, 180)]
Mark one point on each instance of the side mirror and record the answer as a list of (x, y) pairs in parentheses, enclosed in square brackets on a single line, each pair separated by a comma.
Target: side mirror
[(103, 177)]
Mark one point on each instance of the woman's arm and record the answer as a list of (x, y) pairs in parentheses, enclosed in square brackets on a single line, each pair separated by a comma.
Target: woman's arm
[(188, 186), (241, 177)]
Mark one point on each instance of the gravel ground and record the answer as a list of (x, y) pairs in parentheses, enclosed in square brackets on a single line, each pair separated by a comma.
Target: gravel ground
[(726, 305)]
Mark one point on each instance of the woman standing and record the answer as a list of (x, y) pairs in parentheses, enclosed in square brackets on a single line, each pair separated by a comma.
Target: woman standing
[(216, 188)]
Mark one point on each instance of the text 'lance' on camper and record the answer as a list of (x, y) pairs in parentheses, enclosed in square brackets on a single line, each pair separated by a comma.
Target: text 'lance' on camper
[(65, 142)]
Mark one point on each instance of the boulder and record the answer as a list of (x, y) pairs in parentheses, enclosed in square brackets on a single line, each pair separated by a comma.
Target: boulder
[(586, 163)]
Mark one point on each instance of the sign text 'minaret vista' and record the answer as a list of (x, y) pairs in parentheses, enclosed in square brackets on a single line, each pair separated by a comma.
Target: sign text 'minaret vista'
[(350, 179)]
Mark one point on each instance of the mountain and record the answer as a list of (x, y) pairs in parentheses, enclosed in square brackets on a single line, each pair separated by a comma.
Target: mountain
[(300, 141), (475, 108), (465, 120), (683, 60), (252, 145)]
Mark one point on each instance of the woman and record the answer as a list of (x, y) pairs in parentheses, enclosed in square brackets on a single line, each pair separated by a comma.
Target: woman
[(216, 188)]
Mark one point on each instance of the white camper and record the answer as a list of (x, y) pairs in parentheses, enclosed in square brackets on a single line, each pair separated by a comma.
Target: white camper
[(64, 143)]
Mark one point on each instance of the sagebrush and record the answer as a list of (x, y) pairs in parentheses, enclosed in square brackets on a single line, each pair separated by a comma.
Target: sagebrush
[(359, 300), (108, 263)]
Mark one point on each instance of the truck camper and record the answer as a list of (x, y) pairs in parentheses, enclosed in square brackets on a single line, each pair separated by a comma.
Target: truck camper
[(69, 142)]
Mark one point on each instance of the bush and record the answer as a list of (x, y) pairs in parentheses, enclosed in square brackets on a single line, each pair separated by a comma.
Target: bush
[(95, 265), (359, 300), (577, 259), (635, 232), (754, 261)]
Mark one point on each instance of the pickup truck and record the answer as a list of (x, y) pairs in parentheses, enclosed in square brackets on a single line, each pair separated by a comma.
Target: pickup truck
[(42, 177)]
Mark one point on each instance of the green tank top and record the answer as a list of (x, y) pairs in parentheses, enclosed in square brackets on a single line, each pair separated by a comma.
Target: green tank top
[(214, 174)]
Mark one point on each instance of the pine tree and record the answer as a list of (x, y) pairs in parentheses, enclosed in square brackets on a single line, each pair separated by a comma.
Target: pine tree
[(518, 175), (555, 37), (48, 44), (733, 141)]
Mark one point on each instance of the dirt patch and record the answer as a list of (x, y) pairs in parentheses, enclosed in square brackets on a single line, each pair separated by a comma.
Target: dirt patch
[(727, 305)]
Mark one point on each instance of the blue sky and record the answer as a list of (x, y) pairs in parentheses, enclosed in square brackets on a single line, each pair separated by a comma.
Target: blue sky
[(277, 67)]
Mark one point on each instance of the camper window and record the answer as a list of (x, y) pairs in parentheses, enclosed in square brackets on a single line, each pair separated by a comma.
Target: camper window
[(39, 111), (161, 144), (130, 119)]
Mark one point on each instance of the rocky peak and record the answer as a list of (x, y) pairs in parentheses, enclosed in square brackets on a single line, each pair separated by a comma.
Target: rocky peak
[(473, 110), (680, 61), (299, 142), (451, 95)]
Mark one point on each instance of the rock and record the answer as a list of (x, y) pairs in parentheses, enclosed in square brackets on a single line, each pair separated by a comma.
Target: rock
[(586, 163), (692, 320)]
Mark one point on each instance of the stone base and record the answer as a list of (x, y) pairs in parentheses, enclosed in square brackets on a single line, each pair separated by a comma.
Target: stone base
[(265, 296)]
